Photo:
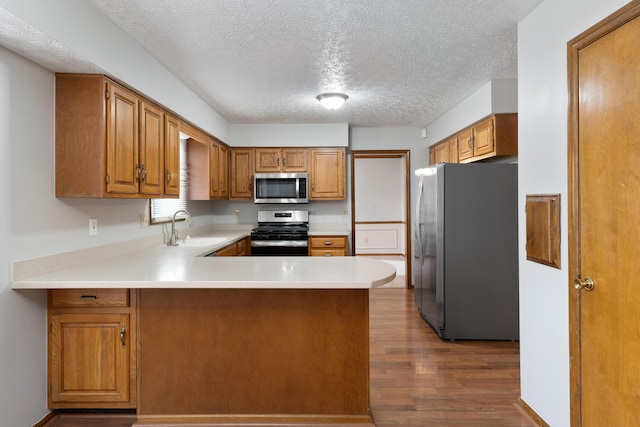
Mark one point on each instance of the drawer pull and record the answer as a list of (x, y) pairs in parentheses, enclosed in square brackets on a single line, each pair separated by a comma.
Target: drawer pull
[(88, 296), (122, 331), (328, 243), (328, 254)]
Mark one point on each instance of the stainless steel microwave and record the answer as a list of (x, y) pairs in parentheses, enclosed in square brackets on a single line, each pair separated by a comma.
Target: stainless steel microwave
[(281, 187)]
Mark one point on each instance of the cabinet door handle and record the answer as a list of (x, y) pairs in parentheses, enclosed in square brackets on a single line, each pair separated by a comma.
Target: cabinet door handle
[(278, 162), (143, 173), (168, 176), (122, 331), (137, 168)]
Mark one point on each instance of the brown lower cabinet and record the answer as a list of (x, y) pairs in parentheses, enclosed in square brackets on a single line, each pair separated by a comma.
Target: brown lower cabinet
[(239, 248), (328, 246), (92, 348)]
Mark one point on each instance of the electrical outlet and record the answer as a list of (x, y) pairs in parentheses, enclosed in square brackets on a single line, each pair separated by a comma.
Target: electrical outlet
[(93, 227), (143, 221), (237, 213)]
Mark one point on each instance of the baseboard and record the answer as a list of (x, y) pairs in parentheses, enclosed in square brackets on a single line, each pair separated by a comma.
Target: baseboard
[(46, 420), (522, 405)]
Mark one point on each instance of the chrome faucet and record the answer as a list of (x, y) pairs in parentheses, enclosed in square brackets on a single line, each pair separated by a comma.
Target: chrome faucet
[(173, 240)]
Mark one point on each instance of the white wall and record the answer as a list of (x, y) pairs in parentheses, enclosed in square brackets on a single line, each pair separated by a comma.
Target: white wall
[(495, 96), (79, 27), (289, 135), (542, 159)]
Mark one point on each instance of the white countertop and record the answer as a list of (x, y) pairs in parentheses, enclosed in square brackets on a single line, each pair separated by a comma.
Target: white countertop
[(184, 266)]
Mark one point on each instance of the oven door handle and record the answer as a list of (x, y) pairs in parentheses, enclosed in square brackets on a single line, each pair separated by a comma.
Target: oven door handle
[(279, 243)]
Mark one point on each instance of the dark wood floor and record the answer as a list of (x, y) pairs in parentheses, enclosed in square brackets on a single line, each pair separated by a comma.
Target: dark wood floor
[(418, 379)]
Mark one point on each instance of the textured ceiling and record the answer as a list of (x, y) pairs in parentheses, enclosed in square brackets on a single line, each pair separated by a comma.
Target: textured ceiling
[(401, 62)]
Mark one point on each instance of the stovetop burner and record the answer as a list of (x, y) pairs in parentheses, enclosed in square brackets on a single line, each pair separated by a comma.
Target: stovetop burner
[(281, 225)]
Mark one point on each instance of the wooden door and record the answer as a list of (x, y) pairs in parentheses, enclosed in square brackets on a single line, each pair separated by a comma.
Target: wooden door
[(483, 141), (465, 145), (214, 169), (294, 160), (441, 152), (604, 218), (122, 141), (453, 150), (327, 177), (223, 171), (89, 358), (268, 159), (171, 156), (151, 150), (241, 175)]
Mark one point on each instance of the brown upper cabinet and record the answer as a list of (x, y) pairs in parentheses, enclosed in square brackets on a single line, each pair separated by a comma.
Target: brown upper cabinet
[(327, 174), (110, 142), (494, 136), (219, 170), (171, 156), (242, 166), (281, 159)]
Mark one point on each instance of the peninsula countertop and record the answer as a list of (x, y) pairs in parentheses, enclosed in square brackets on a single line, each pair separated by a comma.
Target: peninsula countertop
[(185, 266)]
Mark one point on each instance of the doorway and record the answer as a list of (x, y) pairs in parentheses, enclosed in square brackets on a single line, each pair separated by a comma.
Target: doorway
[(380, 209), (604, 220)]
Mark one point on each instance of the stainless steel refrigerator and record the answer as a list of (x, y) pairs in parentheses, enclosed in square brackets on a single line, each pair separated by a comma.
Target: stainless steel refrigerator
[(466, 245)]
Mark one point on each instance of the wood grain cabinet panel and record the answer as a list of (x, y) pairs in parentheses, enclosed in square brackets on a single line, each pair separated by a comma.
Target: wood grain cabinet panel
[(92, 348), (281, 159), (172, 156), (110, 141), (242, 167), (239, 248), (219, 170), (465, 144), (328, 246), (327, 174)]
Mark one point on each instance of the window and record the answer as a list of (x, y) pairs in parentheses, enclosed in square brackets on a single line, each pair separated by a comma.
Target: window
[(163, 209)]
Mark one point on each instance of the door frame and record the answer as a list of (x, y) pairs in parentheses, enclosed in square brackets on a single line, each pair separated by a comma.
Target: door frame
[(386, 154), (604, 27)]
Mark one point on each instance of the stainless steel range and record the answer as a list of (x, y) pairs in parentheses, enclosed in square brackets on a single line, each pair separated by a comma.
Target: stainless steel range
[(280, 233)]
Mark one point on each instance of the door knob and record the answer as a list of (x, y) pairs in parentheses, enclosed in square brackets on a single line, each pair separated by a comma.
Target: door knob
[(588, 283)]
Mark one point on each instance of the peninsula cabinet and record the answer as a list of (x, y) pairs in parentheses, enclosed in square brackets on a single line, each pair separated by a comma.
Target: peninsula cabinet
[(242, 166), (281, 160), (327, 174), (110, 142), (92, 348)]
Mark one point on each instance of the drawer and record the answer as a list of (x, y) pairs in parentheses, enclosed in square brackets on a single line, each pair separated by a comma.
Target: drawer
[(89, 298), (328, 242), (329, 252)]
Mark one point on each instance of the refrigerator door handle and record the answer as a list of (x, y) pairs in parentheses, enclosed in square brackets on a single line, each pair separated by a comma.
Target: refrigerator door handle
[(418, 222)]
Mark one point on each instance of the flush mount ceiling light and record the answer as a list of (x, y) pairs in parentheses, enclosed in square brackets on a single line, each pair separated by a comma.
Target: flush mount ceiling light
[(332, 101)]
